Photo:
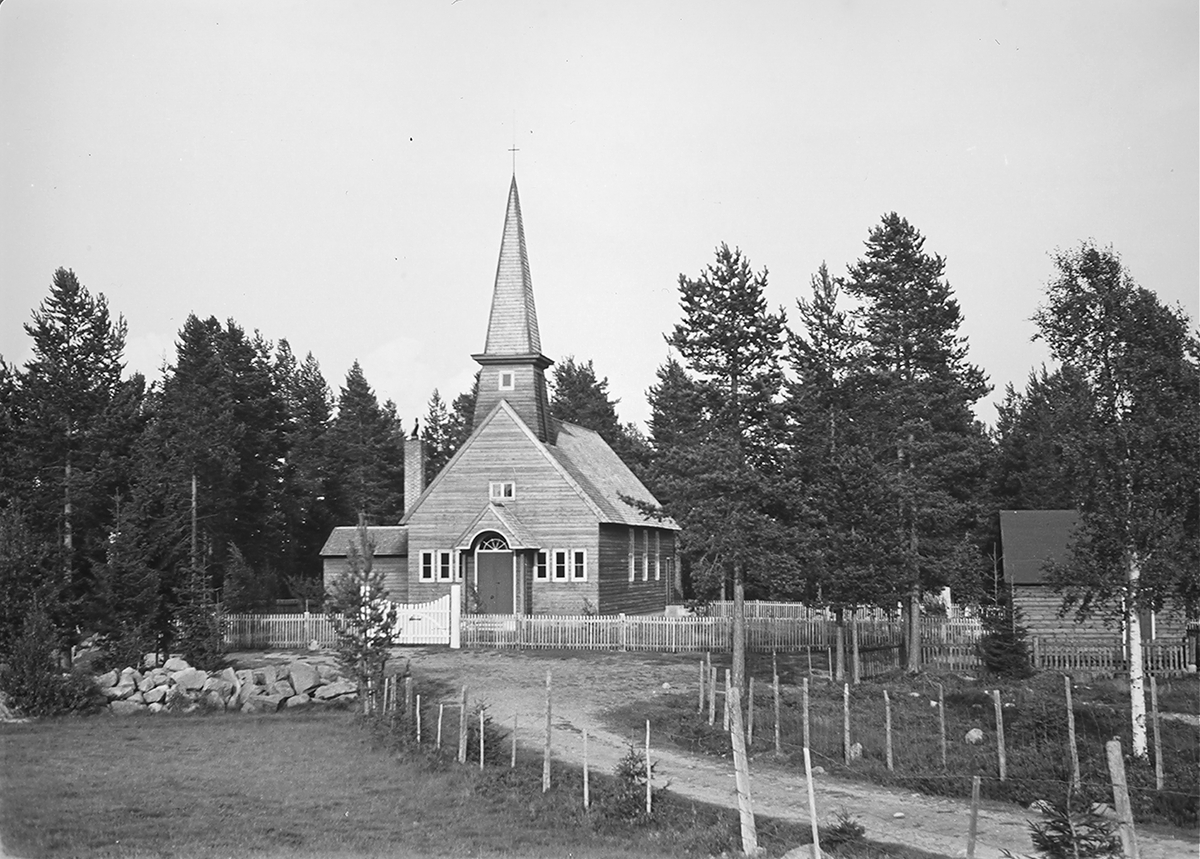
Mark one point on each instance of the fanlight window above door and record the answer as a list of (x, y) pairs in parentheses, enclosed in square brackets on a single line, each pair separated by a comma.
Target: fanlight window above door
[(493, 544)]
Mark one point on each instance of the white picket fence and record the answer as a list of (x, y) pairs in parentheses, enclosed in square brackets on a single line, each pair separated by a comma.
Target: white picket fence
[(420, 623)]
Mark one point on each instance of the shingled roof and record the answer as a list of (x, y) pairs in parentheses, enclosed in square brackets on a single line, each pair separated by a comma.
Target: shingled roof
[(387, 539), (512, 324), (1030, 538), (604, 477)]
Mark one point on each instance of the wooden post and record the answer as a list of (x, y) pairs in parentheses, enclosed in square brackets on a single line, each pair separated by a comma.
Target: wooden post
[(480, 738), (741, 770), (846, 722), (942, 721), (1158, 750), (418, 720), (512, 764), (778, 732), (587, 797), (812, 805), (441, 713), (1116, 771), (408, 698), (1072, 746), (649, 773), (887, 722), (546, 751), (804, 711), (839, 673), (1000, 734), (712, 696), (725, 718), (700, 706), (808, 651), (462, 727), (750, 712), (855, 665), (971, 833)]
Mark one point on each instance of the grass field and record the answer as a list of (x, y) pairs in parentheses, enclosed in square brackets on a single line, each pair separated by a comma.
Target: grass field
[(1035, 736), (314, 784)]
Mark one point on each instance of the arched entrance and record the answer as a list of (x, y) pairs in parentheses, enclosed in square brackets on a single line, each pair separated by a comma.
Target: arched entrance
[(494, 574)]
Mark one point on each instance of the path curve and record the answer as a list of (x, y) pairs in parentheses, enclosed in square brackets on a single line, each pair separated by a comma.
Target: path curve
[(587, 686)]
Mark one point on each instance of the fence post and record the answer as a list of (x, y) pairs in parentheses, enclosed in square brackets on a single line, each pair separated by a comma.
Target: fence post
[(649, 772), (778, 733), (887, 721), (942, 720), (700, 706), (512, 764), (750, 712), (587, 798), (624, 632), (804, 709), (974, 818), (546, 752), (812, 805), (1072, 747), (1116, 771), (846, 722), (1158, 757), (1000, 734), (455, 616), (741, 770), (462, 727)]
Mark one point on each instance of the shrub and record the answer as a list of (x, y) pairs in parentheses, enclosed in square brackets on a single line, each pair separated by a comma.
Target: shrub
[(34, 680), (1074, 829), (626, 799), (201, 637)]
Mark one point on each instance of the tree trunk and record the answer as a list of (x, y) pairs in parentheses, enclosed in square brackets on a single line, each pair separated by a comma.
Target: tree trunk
[(1137, 680), (914, 629), (739, 629)]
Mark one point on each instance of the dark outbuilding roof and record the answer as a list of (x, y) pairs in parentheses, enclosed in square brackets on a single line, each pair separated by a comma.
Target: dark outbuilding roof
[(387, 539), (1030, 538)]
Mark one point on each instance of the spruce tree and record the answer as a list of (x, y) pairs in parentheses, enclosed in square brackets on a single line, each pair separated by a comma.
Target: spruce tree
[(579, 397), (367, 445)]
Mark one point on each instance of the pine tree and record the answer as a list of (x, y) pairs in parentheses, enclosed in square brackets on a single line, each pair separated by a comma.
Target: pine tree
[(728, 503), (579, 397), (1136, 450), (914, 389), (438, 435)]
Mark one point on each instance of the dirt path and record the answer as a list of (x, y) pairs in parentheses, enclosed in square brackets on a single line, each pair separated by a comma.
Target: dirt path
[(587, 686)]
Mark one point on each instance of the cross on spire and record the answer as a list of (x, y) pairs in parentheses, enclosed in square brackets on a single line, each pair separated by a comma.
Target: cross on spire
[(514, 150)]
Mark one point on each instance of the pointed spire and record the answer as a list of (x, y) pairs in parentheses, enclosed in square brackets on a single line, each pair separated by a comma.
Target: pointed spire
[(512, 326)]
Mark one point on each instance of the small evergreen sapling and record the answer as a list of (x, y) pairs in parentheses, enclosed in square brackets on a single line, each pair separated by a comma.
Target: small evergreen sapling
[(1004, 645), (363, 617)]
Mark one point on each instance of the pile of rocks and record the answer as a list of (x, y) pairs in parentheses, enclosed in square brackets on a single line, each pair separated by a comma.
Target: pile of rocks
[(177, 686)]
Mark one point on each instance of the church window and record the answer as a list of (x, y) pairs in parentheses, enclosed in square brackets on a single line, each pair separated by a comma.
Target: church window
[(632, 554), (427, 566), (539, 566), (578, 564), (645, 555), (507, 380), (445, 570), (657, 556), (560, 564), (502, 490)]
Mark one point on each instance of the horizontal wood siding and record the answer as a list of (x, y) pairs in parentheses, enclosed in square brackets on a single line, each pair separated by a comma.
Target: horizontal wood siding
[(395, 571), (545, 503), (617, 594), (1039, 605)]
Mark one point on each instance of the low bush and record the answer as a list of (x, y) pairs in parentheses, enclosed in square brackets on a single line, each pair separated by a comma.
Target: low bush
[(33, 678)]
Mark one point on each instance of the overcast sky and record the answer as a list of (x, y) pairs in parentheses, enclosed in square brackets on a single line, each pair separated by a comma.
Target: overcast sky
[(335, 173)]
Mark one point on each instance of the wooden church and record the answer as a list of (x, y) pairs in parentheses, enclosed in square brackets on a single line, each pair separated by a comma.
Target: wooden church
[(532, 515)]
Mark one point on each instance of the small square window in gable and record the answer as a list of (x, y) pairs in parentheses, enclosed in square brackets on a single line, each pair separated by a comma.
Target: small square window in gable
[(507, 380), (499, 490)]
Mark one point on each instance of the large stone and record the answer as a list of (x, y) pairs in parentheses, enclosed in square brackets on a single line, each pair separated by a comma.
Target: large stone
[(132, 675), (117, 692), (974, 737), (156, 695), (282, 687), (334, 690), (328, 672), (191, 680), (157, 707), (151, 660), (297, 701), (244, 693), (127, 708), (212, 700), (107, 679), (265, 676), (304, 677), (146, 683), (175, 664), (262, 704), (220, 686)]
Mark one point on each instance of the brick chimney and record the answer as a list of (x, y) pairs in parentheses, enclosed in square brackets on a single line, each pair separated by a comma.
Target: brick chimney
[(414, 471)]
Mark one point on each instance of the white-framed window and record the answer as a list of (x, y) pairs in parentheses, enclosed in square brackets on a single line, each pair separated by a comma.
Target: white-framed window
[(541, 565), (645, 555), (561, 562), (502, 490), (632, 555), (657, 556), (427, 566), (578, 565), (507, 380), (445, 565)]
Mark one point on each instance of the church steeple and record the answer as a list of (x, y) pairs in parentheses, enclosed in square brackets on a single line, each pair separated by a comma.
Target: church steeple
[(512, 360)]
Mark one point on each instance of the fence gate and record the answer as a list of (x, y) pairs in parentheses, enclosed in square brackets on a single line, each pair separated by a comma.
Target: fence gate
[(424, 623)]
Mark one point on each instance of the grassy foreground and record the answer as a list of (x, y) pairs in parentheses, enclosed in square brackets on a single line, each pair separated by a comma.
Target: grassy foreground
[(314, 784)]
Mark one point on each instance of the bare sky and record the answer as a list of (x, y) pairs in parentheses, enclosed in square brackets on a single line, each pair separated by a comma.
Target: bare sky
[(335, 173)]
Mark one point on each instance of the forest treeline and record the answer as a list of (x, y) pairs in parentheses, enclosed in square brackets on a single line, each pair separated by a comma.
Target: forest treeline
[(826, 452)]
